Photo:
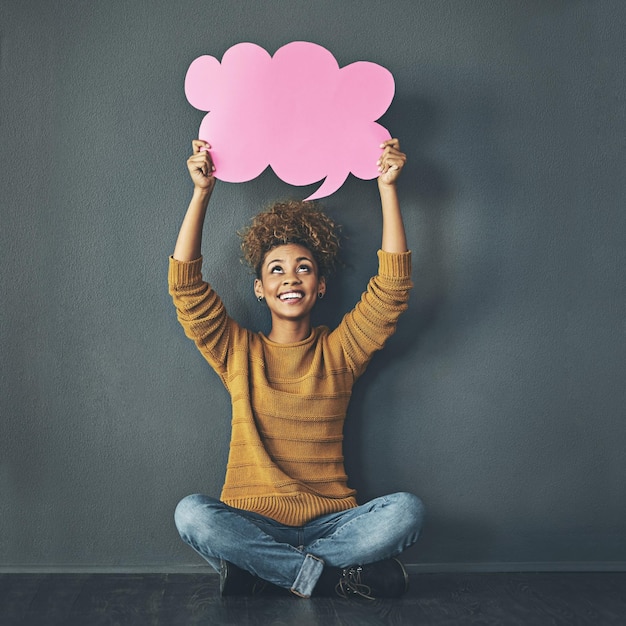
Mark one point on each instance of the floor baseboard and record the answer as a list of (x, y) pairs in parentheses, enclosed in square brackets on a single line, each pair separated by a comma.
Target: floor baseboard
[(421, 568)]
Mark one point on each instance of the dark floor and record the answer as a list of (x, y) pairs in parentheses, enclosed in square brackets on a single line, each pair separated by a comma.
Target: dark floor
[(570, 599)]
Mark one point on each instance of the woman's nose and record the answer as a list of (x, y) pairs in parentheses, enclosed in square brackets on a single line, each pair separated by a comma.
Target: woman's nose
[(291, 278)]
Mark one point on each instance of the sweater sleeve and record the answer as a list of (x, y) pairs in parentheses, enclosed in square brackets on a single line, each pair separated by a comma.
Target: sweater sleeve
[(366, 328), (201, 313)]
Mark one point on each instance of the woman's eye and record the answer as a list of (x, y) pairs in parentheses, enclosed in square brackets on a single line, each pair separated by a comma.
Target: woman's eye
[(277, 269), (304, 268)]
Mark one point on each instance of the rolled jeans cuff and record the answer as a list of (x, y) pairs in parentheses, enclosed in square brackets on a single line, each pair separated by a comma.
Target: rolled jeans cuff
[(308, 576)]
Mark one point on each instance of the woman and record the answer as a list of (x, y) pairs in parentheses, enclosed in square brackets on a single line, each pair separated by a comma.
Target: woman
[(286, 515)]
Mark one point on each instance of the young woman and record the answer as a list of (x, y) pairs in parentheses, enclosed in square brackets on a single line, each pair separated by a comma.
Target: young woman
[(286, 516)]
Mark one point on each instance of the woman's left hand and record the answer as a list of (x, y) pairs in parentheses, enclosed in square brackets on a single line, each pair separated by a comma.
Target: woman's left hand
[(391, 162)]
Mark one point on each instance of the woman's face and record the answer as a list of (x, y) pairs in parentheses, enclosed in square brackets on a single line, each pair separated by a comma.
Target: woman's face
[(289, 282)]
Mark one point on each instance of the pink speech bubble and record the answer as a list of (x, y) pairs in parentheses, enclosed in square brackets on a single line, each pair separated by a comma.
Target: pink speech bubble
[(297, 111)]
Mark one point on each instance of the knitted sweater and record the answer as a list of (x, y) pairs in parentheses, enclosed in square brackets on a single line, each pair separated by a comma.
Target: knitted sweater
[(289, 401)]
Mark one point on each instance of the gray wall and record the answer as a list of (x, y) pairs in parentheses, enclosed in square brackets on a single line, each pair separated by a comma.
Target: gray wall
[(501, 398)]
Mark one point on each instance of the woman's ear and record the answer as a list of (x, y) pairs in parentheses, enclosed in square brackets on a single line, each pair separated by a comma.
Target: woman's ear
[(258, 288), (321, 287)]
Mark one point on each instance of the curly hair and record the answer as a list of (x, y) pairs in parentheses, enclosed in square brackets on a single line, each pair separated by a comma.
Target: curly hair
[(292, 221)]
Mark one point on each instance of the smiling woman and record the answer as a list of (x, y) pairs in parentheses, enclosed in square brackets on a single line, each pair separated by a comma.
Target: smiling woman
[(286, 505)]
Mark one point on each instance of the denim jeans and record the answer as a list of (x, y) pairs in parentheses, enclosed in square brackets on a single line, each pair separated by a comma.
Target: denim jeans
[(294, 556)]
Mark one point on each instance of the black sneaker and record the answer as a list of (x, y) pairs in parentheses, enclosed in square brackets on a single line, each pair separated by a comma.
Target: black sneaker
[(235, 581), (384, 579)]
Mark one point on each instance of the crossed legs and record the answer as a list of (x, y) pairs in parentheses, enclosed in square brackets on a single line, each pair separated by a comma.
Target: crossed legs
[(294, 557)]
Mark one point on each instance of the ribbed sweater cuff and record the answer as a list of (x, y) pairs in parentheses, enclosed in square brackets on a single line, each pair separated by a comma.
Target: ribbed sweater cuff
[(184, 272), (394, 264)]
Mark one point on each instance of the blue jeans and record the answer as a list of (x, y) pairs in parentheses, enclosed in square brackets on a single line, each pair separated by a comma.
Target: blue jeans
[(294, 556)]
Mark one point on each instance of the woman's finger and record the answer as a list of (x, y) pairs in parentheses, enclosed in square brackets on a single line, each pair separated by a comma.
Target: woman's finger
[(391, 143), (200, 146)]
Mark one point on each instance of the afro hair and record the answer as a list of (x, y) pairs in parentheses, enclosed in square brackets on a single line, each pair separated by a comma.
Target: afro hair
[(295, 222)]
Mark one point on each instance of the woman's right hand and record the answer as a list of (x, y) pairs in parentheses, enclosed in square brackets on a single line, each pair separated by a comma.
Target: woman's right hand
[(200, 166)]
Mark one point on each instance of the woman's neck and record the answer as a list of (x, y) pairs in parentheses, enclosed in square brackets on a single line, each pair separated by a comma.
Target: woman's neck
[(284, 331)]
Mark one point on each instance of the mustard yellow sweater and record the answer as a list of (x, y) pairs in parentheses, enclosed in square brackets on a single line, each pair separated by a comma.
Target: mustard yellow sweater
[(289, 401)]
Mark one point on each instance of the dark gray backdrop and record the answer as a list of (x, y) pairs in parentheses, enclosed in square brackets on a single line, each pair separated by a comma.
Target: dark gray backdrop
[(501, 398)]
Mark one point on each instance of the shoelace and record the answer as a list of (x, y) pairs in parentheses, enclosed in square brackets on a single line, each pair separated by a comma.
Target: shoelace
[(350, 584)]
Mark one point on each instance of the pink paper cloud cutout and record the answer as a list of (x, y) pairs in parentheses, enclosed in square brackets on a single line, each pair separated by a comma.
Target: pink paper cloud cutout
[(297, 111)]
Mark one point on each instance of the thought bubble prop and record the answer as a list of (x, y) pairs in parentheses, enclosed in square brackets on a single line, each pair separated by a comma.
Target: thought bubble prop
[(297, 111)]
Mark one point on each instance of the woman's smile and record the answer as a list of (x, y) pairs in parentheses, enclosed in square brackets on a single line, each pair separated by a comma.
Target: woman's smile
[(291, 296)]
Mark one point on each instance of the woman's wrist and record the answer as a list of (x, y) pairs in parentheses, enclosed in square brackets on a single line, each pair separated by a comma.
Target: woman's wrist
[(202, 193), (387, 188)]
